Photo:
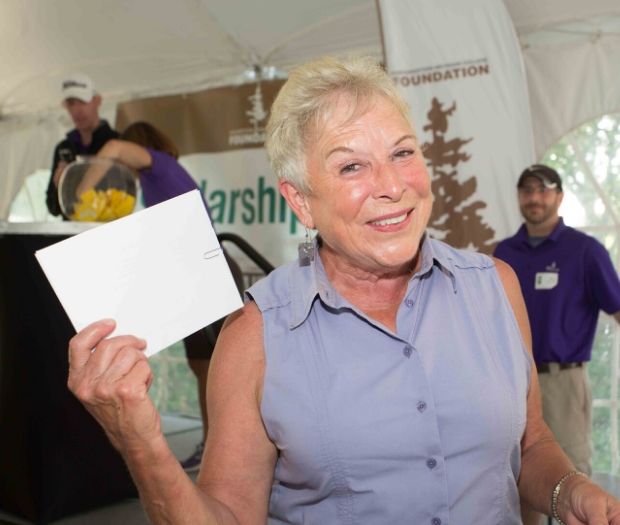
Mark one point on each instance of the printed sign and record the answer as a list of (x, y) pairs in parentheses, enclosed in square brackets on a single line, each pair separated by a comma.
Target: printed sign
[(470, 107)]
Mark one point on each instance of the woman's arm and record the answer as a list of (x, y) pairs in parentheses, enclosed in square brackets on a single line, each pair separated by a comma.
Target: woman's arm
[(128, 153), (239, 459), (237, 471), (543, 463), (131, 155)]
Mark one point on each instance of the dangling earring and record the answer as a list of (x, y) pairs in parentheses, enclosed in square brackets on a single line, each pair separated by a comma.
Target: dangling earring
[(305, 249)]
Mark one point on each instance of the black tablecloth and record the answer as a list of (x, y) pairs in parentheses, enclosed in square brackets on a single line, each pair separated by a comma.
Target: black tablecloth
[(54, 458)]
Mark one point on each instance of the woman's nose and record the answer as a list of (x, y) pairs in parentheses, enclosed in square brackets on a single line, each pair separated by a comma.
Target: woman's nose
[(389, 183)]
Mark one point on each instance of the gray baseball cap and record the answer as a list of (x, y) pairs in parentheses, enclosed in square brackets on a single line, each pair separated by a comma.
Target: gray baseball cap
[(548, 176)]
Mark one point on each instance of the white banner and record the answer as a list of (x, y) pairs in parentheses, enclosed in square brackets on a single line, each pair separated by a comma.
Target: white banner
[(459, 66)]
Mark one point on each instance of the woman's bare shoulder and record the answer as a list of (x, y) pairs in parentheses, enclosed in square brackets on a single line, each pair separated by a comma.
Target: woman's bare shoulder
[(239, 355), (244, 327), (507, 276)]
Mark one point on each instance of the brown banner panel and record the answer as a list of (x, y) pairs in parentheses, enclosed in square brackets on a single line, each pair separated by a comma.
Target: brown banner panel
[(212, 120)]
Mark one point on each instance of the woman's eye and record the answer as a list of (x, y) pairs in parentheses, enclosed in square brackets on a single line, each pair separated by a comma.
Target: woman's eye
[(350, 168), (404, 153)]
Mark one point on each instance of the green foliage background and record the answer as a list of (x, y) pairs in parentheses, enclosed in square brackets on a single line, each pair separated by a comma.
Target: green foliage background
[(174, 389)]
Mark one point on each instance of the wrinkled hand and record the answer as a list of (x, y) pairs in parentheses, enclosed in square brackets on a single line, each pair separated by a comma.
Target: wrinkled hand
[(588, 504), (111, 378)]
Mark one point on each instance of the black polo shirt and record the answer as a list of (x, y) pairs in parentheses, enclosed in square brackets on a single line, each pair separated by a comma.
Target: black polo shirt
[(71, 147)]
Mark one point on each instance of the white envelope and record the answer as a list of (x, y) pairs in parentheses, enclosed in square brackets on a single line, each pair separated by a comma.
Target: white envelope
[(160, 273)]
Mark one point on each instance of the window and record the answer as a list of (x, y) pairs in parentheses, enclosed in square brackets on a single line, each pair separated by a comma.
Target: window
[(588, 159)]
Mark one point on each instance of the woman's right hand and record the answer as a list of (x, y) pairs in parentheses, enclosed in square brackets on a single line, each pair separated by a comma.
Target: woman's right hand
[(111, 378)]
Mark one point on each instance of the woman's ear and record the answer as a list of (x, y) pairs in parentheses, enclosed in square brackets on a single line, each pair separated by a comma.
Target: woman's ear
[(298, 201)]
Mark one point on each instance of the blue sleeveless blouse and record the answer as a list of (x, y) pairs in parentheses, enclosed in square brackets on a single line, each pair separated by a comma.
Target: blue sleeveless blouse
[(421, 426)]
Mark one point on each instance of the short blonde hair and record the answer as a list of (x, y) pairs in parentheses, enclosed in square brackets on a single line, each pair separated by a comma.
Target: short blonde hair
[(308, 95)]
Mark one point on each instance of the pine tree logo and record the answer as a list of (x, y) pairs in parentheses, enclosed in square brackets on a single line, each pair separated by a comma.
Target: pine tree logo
[(455, 218), (257, 113), (254, 136)]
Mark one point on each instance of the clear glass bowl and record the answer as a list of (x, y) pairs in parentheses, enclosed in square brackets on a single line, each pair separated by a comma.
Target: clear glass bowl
[(97, 190)]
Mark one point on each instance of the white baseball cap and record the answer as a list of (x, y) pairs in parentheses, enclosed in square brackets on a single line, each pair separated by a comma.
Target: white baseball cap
[(78, 85)]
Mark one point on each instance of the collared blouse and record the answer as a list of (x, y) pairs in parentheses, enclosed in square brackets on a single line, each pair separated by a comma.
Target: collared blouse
[(421, 425)]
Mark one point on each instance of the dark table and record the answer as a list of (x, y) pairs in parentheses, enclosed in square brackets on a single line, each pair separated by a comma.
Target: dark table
[(54, 458)]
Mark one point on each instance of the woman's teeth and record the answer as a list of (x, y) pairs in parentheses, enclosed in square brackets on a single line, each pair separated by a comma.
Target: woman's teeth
[(393, 220)]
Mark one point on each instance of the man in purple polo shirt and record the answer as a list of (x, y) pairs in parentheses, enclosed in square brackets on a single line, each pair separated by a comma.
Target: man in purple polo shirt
[(566, 277)]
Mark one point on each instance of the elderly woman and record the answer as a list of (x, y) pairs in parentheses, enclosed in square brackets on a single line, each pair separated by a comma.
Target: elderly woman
[(382, 378)]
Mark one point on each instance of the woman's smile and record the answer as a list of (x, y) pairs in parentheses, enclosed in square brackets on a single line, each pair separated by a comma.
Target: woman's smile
[(392, 222)]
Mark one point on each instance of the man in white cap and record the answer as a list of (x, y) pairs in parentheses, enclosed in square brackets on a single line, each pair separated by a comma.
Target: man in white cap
[(89, 135)]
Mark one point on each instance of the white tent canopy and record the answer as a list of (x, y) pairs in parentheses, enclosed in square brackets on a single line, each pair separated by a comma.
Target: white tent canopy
[(142, 48)]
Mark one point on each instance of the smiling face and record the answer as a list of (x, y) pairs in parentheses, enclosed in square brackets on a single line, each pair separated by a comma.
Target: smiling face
[(370, 196), (539, 204)]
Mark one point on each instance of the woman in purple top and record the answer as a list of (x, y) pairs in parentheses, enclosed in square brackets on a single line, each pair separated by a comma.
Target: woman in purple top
[(383, 378), (153, 157)]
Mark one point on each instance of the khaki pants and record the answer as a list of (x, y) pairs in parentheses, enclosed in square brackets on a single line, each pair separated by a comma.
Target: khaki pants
[(567, 409)]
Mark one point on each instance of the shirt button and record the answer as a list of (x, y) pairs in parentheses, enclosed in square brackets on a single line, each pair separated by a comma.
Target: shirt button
[(436, 521), (409, 302), (407, 351), (431, 463), (421, 406)]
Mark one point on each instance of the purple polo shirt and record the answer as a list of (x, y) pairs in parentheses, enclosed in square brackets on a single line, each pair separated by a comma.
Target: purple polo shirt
[(566, 280)]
